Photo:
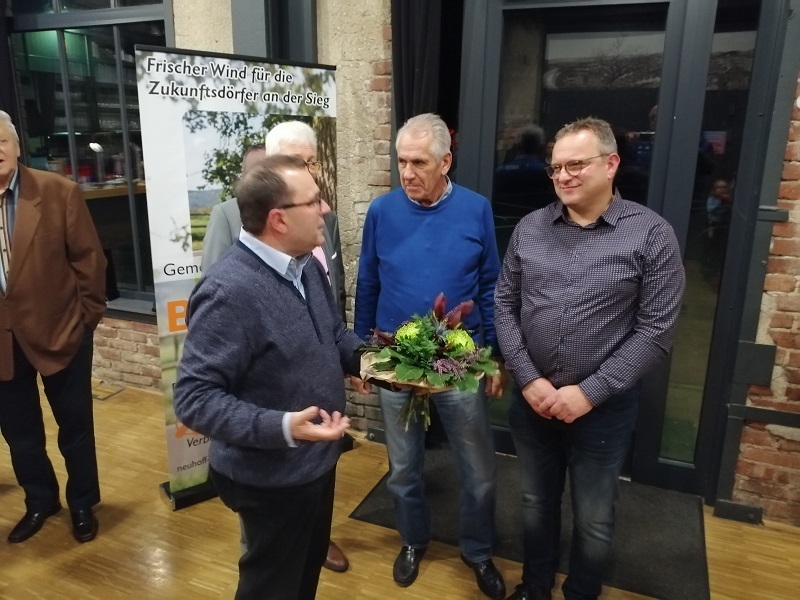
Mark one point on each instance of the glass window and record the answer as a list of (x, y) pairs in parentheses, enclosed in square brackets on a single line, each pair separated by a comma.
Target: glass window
[(86, 126), (718, 150)]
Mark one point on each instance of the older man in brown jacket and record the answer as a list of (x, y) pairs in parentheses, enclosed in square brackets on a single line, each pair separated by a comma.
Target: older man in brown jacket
[(52, 296)]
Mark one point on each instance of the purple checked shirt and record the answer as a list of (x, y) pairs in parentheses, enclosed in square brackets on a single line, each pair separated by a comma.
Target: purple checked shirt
[(593, 306)]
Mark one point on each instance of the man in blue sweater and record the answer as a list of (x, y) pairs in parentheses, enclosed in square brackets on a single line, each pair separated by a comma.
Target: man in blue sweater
[(262, 376), (433, 236)]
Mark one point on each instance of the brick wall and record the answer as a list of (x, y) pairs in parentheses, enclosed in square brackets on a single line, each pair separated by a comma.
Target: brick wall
[(768, 471), (127, 353), (356, 37)]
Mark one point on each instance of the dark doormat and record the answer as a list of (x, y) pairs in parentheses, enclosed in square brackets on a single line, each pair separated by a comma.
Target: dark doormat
[(659, 543)]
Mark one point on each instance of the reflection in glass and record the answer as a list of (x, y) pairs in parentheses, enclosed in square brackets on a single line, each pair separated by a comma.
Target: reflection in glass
[(32, 7), (68, 5), (42, 99), (718, 152), (138, 2)]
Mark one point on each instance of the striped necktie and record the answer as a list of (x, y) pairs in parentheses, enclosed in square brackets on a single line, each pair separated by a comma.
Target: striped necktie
[(5, 241)]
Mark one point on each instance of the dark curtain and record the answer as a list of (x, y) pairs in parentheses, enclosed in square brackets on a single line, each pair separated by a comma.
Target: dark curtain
[(416, 52), (8, 97)]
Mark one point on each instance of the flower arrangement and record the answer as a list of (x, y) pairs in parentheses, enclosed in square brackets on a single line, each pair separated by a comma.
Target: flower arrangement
[(430, 353)]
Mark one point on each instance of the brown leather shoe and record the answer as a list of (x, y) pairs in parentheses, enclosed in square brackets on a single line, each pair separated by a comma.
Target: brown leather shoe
[(336, 560)]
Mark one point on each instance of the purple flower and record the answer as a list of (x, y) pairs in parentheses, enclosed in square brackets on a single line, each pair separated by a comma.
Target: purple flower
[(449, 365)]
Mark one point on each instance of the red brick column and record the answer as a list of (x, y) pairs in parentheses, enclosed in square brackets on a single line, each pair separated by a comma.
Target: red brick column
[(127, 353), (768, 471)]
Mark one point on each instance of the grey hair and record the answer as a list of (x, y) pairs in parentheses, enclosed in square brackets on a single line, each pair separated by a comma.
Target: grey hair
[(606, 142), (5, 119), (424, 124), (289, 132)]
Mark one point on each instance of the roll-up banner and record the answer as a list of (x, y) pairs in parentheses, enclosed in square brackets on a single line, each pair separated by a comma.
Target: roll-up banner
[(199, 112)]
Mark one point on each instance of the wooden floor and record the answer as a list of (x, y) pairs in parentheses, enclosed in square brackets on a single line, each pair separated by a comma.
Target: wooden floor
[(144, 550)]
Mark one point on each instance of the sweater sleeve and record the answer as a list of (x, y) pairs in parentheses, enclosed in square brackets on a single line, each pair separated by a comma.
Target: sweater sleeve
[(368, 286), (216, 354)]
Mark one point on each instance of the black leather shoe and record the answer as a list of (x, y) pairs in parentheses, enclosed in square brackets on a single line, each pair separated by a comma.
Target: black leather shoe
[(406, 565), (529, 592), (84, 524), (31, 523), (489, 579)]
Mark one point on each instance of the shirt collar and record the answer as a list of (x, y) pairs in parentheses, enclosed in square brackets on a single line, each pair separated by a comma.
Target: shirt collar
[(447, 191), (13, 185), (287, 266), (611, 215)]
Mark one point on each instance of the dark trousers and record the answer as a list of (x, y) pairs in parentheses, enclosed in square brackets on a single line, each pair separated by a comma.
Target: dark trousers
[(287, 532), (592, 450), (69, 393)]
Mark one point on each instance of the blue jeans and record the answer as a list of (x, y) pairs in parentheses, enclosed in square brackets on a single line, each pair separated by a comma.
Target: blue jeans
[(593, 450), (465, 416)]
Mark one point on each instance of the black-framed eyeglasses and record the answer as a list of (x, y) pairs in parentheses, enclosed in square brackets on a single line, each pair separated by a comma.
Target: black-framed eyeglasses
[(316, 202), (314, 167), (573, 167)]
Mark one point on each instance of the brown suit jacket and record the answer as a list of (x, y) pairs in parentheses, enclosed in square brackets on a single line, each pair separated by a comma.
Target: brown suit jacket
[(56, 279)]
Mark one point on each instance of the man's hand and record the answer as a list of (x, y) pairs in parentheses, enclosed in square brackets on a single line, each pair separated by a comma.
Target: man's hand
[(330, 429), (361, 386), (567, 404), (495, 384), (536, 392)]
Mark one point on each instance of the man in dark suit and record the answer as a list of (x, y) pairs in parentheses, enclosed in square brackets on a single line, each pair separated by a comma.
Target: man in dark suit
[(293, 138), (263, 378), (52, 277)]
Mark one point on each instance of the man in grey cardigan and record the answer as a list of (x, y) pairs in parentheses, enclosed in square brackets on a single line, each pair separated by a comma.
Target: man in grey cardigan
[(295, 138), (262, 375)]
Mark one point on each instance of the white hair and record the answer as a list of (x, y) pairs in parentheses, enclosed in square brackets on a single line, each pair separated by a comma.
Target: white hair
[(289, 132), (424, 124), (5, 119)]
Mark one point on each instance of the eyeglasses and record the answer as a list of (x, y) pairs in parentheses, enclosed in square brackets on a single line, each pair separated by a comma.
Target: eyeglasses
[(573, 167), (316, 202), (314, 167)]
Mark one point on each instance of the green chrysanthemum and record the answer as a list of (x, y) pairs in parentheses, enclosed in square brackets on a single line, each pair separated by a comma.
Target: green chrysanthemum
[(459, 340), (408, 332)]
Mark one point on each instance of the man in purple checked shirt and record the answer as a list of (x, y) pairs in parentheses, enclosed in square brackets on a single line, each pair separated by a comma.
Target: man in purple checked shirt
[(586, 304)]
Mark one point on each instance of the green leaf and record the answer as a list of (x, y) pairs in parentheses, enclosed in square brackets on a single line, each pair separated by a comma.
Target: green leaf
[(489, 367), (386, 365), (406, 372), (384, 354), (434, 378), (470, 382)]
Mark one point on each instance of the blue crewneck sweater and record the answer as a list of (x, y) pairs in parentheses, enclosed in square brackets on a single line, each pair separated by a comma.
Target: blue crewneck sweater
[(411, 253)]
